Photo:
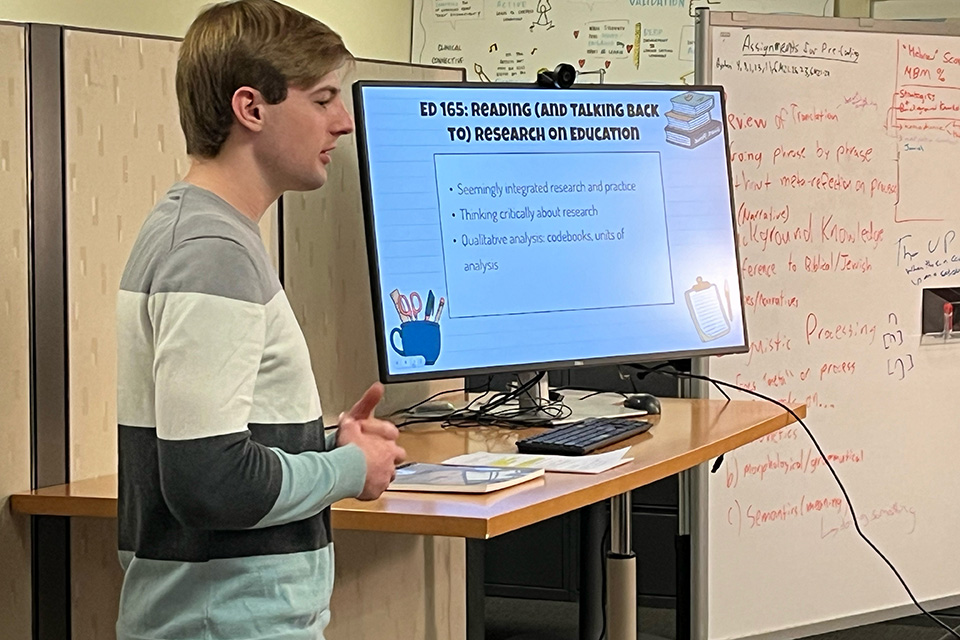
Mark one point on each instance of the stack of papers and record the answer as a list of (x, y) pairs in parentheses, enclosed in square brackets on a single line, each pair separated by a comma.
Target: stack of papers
[(596, 463)]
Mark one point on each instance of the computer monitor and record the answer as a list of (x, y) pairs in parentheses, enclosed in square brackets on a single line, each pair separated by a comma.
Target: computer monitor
[(514, 228)]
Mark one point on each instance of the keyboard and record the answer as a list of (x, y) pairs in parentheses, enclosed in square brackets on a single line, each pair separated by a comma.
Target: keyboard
[(582, 437)]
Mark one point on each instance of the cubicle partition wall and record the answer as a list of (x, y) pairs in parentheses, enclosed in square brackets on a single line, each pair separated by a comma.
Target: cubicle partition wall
[(107, 144), (123, 148), (15, 584)]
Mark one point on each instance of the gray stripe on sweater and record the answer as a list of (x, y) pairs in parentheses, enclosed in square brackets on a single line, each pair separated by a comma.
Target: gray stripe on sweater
[(193, 241)]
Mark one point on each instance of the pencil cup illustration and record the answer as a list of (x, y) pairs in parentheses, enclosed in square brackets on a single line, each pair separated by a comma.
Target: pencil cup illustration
[(417, 337)]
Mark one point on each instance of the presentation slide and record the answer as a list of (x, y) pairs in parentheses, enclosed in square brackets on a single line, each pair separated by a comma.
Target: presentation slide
[(523, 226), (591, 214)]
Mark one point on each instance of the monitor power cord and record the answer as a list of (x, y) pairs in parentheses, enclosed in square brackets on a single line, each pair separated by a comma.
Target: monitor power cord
[(685, 374)]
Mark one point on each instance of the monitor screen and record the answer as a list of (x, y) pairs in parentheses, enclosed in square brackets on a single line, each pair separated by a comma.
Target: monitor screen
[(515, 228)]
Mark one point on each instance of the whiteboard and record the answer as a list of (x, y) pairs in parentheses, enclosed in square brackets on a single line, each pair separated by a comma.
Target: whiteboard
[(844, 141), (619, 41)]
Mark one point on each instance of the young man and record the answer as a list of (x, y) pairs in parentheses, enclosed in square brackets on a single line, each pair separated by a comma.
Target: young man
[(226, 478)]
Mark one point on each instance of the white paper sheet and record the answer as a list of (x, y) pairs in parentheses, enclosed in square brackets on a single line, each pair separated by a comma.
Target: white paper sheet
[(595, 463)]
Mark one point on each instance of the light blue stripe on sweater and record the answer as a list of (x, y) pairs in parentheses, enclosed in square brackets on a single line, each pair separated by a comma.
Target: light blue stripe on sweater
[(279, 597), (313, 481)]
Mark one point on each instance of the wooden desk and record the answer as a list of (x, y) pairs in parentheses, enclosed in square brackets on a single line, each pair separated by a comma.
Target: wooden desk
[(687, 433)]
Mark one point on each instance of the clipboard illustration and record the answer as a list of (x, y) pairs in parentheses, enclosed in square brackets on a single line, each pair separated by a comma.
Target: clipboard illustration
[(706, 310)]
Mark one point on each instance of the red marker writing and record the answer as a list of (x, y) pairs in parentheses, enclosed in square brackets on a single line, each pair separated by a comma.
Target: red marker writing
[(947, 319)]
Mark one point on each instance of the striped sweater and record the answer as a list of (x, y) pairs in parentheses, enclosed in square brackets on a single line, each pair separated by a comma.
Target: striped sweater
[(225, 475)]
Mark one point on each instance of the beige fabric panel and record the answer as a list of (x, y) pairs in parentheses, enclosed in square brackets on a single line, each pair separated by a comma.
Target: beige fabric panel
[(391, 586), (95, 578), (124, 149), (327, 278), (15, 613)]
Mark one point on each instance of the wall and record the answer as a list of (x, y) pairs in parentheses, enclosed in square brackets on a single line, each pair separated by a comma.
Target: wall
[(853, 8), (14, 372), (914, 9), (372, 28)]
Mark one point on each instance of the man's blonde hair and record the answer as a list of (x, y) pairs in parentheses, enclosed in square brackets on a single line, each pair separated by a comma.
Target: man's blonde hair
[(256, 43)]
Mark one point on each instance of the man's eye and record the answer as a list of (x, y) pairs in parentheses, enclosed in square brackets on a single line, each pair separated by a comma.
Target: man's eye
[(322, 103)]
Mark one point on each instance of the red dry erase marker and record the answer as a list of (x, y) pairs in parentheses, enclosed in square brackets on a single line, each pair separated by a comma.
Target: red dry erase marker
[(947, 319)]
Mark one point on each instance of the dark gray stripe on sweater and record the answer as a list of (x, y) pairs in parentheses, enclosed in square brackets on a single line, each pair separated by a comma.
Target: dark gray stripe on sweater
[(226, 499)]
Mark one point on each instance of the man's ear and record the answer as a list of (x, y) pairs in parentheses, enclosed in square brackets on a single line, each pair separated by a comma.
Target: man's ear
[(247, 105)]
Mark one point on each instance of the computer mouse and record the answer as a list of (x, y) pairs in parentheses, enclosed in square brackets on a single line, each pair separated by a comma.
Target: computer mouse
[(643, 402)]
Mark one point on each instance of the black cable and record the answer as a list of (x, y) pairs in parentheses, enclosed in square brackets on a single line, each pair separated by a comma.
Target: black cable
[(596, 393), (720, 389), (423, 419), (633, 383), (508, 396), (499, 410), (846, 496), (664, 367)]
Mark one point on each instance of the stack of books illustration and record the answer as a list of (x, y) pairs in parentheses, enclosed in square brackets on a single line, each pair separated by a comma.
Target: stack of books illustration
[(690, 124)]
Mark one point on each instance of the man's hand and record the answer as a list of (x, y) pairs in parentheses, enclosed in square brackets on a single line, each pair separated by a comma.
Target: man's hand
[(362, 411), (376, 438)]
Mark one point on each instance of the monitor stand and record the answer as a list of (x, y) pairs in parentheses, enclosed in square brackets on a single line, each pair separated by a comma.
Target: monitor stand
[(603, 404), (533, 398)]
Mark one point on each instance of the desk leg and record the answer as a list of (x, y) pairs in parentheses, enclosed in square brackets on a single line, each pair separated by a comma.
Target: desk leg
[(476, 608), (684, 567), (593, 520), (621, 573), (51, 577)]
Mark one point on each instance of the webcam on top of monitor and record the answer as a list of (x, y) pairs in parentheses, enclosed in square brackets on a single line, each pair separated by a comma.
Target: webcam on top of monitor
[(562, 77)]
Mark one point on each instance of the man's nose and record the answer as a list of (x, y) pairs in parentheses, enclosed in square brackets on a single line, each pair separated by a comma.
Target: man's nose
[(344, 123)]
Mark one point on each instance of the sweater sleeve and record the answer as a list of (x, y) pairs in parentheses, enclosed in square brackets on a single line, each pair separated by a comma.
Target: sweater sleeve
[(209, 321)]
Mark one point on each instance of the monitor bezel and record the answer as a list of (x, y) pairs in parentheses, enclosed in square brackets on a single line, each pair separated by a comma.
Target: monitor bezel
[(373, 262)]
